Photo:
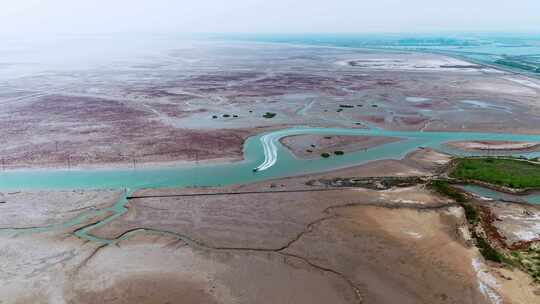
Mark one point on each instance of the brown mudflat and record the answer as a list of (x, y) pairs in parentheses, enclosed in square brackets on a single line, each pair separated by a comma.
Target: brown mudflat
[(147, 289), (192, 113), (292, 240), (311, 146)]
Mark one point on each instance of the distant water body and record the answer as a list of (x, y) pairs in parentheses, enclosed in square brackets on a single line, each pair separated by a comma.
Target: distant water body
[(28, 56), (514, 52)]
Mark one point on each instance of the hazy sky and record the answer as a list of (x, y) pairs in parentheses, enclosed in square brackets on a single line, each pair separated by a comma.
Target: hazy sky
[(99, 16)]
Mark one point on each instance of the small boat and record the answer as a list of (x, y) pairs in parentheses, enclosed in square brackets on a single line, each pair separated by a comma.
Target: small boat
[(255, 169)]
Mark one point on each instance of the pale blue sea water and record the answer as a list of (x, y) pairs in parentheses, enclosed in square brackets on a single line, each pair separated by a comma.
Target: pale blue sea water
[(510, 51)]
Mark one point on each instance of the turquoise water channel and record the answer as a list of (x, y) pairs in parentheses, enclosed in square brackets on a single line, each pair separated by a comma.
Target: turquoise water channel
[(496, 195), (264, 158), (263, 151)]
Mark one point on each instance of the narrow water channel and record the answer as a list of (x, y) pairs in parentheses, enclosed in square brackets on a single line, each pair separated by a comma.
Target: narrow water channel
[(264, 158), (263, 152), (533, 198)]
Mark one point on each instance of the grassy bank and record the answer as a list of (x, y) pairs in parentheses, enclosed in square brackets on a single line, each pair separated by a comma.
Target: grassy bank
[(503, 172), (445, 189), (471, 213), (528, 259)]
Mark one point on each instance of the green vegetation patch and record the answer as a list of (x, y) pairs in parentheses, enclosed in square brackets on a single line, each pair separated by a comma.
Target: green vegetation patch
[(504, 172), (521, 65), (339, 152), (325, 155), (529, 260), (488, 252), (470, 213), (445, 189), (269, 115)]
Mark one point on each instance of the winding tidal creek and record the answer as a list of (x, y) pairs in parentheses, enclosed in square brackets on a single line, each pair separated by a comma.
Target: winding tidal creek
[(264, 158)]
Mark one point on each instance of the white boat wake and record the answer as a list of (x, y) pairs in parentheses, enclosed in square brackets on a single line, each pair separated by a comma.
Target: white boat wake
[(270, 152), (270, 141)]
